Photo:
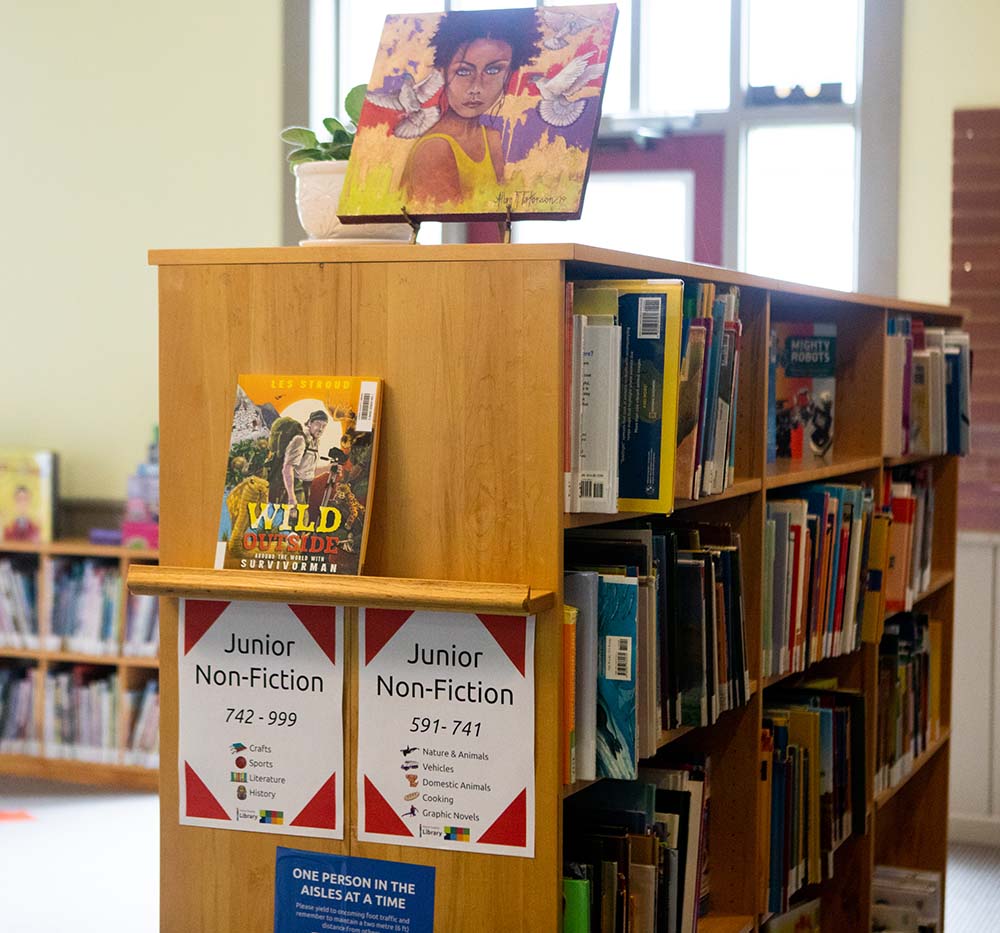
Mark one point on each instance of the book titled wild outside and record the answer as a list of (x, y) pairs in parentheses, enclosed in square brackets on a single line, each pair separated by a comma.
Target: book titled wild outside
[(300, 474)]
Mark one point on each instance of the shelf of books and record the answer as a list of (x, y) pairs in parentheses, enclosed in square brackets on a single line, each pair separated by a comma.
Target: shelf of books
[(79, 697), (730, 504)]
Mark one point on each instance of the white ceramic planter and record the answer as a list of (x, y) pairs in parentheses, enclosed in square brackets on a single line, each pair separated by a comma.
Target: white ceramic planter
[(317, 194)]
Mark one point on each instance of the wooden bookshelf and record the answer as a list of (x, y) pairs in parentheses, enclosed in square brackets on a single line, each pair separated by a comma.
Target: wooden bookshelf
[(132, 670), (474, 377)]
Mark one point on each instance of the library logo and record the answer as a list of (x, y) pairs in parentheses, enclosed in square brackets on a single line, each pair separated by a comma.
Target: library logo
[(273, 817), (238, 777), (242, 815), (432, 831), (457, 834)]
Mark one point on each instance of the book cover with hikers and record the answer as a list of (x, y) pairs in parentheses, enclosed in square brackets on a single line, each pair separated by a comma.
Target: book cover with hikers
[(300, 474)]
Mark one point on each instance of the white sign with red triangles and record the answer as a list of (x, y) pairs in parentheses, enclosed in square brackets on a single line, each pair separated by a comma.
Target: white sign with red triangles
[(446, 731), (260, 720)]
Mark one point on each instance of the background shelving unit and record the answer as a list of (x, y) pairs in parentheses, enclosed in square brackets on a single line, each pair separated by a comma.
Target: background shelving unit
[(132, 671), (469, 340)]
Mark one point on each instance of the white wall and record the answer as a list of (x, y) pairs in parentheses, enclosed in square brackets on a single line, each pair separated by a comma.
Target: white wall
[(126, 126), (950, 62)]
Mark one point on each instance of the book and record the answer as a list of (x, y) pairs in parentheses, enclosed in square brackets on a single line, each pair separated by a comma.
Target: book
[(648, 313), (570, 614), (617, 621), (898, 595), (576, 912), (300, 474), (920, 402), (599, 401), (688, 407), (581, 591), (28, 493), (805, 388)]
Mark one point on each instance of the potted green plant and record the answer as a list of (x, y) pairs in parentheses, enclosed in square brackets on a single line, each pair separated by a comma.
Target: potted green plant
[(319, 169)]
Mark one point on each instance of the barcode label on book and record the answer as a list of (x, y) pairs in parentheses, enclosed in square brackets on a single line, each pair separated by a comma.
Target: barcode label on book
[(617, 657), (366, 406), (649, 318), (592, 485)]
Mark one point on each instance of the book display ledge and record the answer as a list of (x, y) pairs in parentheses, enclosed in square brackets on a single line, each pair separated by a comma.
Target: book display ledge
[(39, 758), (469, 341)]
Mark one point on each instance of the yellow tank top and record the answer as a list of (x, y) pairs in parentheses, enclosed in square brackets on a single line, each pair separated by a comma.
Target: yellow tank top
[(472, 176)]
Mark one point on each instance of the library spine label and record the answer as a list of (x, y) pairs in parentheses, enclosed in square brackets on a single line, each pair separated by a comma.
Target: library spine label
[(261, 745)]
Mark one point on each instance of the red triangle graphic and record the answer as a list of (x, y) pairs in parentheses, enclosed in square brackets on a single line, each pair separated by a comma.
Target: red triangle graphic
[(321, 623), (201, 801), (380, 626), (509, 634), (510, 828), (379, 816), (321, 811), (199, 615)]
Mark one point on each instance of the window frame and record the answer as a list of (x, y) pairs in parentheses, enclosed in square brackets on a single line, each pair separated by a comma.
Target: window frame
[(875, 115)]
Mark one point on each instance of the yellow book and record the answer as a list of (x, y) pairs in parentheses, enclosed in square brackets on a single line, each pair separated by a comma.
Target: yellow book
[(569, 695), (803, 730), (936, 627), (878, 564), (649, 313)]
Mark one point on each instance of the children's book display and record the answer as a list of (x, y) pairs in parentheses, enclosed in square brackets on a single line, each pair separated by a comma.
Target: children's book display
[(28, 492), (491, 113), (300, 474)]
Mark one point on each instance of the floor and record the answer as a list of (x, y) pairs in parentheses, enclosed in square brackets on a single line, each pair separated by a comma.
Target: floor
[(86, 860), (972, 897), (55, 876)]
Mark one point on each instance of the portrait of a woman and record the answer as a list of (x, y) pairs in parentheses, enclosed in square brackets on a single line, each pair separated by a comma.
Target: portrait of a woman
[(476, 55)]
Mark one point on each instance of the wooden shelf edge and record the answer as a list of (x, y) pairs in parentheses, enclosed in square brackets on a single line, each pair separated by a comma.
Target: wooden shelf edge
[(588, 519), (374, 592), (741, 487), (75, 657), (907, 459), (939, 580), (77, 547), (70, 771), (568, 790), (779, 476), (725, 923), (885, 796), (810, 668)]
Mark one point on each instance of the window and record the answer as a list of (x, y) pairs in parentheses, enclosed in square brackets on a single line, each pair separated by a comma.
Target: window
[(800, 203), (665, 231), (779, 82)]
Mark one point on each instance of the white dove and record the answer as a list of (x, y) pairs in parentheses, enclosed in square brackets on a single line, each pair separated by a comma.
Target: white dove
[(564, 24), (410, 99), (555, 107)]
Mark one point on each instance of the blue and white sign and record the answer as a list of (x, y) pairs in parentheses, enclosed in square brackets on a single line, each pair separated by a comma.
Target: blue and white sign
[(319, 893)]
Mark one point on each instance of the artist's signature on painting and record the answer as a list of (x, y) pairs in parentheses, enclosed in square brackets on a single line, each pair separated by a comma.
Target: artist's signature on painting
[(524, 199)]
